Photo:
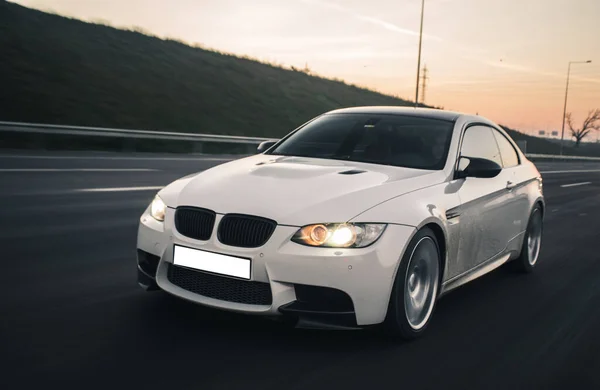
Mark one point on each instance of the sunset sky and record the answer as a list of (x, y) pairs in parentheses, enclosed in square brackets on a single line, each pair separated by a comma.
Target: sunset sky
[(505, 59)]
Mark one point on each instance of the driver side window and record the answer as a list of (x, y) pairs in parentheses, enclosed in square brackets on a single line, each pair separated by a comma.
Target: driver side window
[(479, 142)]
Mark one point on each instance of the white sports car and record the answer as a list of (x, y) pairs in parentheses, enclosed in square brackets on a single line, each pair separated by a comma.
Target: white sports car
[(360, 216)]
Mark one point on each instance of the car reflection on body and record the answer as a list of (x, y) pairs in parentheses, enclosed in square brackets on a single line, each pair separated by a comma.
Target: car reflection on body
[(360, 216)]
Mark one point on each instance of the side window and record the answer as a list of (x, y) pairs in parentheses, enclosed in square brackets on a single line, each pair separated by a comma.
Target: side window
[(479, 142), (507, 151)]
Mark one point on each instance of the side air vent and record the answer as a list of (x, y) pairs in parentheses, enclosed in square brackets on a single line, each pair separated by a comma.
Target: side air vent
[(352, 172)]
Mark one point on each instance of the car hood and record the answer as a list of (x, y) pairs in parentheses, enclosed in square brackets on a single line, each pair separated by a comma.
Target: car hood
[(296, 190)]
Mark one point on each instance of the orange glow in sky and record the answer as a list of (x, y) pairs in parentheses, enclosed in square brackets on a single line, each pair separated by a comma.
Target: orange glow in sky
[(504, 59)]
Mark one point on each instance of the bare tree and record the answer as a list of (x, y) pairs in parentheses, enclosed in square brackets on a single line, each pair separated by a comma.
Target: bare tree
[(592, 122)]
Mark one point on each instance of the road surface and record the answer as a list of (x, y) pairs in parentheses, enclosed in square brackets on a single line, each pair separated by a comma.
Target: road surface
[(73, 316)]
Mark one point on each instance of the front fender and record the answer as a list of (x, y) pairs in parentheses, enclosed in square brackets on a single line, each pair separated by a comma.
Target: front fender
[(428, 206), (415, 208)]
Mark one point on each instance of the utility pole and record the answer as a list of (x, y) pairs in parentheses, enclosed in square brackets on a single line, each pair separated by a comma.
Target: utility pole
[(424, 86), (419, 58)]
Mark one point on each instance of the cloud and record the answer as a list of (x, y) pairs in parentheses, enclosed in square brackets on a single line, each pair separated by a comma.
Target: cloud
[(379, 54), (469, 51), (370, 19), (336, 55), (509, 66), (530, 70), (293, 43), (394, 27), (386, 25)]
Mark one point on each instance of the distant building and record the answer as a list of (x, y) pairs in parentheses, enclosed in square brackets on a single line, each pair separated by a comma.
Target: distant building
[(542, 132), (555, 133)]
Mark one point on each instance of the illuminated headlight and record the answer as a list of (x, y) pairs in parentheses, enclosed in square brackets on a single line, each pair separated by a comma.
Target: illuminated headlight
[(339, 235), (158, 208)]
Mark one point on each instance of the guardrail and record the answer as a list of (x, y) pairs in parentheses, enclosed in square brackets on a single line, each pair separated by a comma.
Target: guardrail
[(80, 131), (534, 156), (120, 133), (38, 134), (197, 141)]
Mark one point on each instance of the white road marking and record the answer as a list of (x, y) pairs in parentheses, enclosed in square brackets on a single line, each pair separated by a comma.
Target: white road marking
[(199, 157), (572, 171), (120, 189), (77, 170), (576, 184)]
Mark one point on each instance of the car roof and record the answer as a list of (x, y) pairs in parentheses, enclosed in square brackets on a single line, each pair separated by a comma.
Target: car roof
[(400, 110)]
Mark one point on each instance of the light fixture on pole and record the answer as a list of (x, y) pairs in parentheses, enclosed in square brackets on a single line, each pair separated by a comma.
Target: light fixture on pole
[(562, 137), (419, 57)]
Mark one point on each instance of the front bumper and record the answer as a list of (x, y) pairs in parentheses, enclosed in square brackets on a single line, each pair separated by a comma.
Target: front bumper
[(295, 274)]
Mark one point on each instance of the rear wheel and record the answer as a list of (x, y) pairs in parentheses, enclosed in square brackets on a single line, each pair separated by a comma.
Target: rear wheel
[(532, 242), (416, 287)]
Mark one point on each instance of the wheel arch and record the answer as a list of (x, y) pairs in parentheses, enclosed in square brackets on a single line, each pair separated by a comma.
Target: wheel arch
[(440, 236), (542, 205), (442, 240), (540, 202)]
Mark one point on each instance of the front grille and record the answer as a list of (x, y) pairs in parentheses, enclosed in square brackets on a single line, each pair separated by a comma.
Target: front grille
[(220, 287), (195, 222), (245, 231)]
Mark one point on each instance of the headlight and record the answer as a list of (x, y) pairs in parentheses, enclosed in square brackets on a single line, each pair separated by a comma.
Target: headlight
[(339, 235), (158, 208)]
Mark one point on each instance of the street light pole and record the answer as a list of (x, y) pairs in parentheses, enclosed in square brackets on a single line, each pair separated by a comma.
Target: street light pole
[(419, 57), (562, 137)]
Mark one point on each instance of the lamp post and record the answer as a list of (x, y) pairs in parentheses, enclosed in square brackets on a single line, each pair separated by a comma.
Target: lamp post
[(419, 57), (562, 137)]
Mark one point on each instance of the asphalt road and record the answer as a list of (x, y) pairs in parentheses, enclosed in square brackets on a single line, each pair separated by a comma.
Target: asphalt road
[(72, 315)]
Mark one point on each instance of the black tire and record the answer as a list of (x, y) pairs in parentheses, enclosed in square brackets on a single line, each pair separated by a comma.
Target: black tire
[(523, 263), (397, 323)]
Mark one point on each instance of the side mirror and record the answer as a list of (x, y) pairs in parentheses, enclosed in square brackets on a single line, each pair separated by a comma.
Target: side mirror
[(477, 167), (265, 145)]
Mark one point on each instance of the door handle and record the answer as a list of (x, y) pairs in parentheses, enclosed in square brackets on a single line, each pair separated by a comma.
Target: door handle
[(510, 185)]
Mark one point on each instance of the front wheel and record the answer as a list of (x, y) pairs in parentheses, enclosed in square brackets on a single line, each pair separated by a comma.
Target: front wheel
[(416, 287)]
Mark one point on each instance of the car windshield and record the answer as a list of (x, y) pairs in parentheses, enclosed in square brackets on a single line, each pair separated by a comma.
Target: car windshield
[(397, 140)]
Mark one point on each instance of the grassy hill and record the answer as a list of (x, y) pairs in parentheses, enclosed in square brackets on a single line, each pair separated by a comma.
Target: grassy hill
[(64, 71)]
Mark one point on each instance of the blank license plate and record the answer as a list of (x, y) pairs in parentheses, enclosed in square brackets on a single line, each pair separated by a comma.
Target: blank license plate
[(211, 262)]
